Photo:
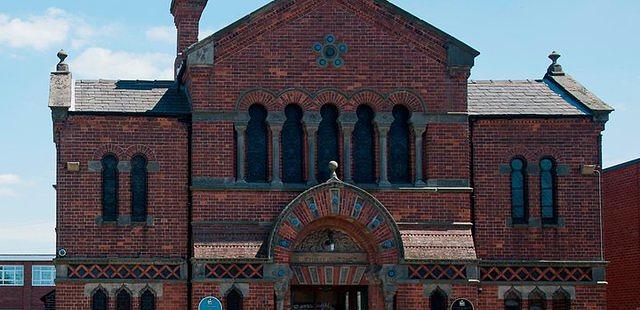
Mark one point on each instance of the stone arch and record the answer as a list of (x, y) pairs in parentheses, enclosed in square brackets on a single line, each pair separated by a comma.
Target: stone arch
[(408, 98), (341, 206), (258, 95)]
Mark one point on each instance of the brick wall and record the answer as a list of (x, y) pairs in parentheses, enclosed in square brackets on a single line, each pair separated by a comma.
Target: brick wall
[(88, 138), (572, 142), (621, 188)]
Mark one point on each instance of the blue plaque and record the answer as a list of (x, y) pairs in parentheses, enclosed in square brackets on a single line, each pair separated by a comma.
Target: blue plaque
[(210, 303)]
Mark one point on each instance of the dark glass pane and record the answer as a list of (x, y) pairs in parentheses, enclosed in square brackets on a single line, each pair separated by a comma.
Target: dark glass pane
[(518, 212), (123, 300), (512, 304), (399, 146), (363, 146), (517, 197), (147, 301), (517, 164), (292, 145), (546, 165), (257, 140), (536, 305), (546, 180), (546, 197), (517, 180), (110, 188), (234, 300), (547, 212), (438, 301), (139, 189), (328, 141), (99, 300)]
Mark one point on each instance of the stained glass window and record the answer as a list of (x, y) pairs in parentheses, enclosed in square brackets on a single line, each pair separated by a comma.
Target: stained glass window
[(293, 145), (364, 146), (257, 139), (399, 146), (139, 188), (328, 141), (548, 191), (518, 191), (109, 188)]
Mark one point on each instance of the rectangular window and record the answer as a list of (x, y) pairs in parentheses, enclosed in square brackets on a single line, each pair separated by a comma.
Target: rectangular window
[(43, 275), (11, 275)]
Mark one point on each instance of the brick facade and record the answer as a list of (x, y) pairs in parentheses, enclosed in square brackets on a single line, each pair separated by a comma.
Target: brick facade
[(209, 231), (621, 188), (25, 296)]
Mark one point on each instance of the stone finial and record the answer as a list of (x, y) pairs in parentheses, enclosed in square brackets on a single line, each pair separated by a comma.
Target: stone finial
[(333, 166), (555, 68), (62, 66)]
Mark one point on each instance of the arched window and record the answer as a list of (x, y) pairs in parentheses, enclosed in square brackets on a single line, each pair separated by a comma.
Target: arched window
[(139, 188), (99, 300), (561, 300), (512, 301), (519, 201), (537, 300), (328, 140), (399, 146), (110, 188), (293, 145), (234, 300), (147, 300), (438, 300), (123, 300), (364, 146), (257, 139), (548, 178)]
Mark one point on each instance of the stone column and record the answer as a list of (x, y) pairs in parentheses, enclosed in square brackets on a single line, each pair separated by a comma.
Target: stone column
[(276, 129), (418, 131), (281, 289), (311, 123), (383, 122), (347, 124), (240, 162)]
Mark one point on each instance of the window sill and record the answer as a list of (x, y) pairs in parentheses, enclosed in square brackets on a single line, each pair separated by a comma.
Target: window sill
[(535, 222), (124, 221)]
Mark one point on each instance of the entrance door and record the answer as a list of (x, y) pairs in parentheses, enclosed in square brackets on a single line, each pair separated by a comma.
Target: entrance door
[(329, 298)]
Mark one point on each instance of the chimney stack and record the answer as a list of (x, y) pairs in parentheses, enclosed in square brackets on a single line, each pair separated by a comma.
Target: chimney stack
[(186, 16)]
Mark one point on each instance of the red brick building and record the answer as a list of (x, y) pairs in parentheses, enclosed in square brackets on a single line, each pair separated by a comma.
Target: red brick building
[(25, 280), (621, 192), (445, 192)]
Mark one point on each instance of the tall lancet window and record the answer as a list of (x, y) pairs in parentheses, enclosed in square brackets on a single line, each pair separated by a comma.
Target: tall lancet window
[(328, 141), (293, 145), (399, 146), (257, 140), (364, 146)]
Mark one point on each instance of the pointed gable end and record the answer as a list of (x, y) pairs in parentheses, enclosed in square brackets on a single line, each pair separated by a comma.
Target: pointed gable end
[(381, 13)]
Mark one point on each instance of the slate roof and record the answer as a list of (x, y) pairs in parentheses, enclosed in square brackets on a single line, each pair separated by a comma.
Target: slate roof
[(433, 244), (230, 241), (527, 97), (157, 97)]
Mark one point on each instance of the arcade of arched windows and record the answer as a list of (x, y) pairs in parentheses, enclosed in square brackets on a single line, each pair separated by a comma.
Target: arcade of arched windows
[(294, 145)]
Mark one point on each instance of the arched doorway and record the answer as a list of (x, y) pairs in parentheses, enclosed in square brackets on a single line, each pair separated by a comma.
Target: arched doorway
[(341, 245)]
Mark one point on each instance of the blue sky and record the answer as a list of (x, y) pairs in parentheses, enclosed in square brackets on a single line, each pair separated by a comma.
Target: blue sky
[(135, 40)]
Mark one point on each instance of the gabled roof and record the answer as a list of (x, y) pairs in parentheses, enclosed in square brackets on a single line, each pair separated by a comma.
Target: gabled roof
[(153, 97), (524, 98), (460, 54)]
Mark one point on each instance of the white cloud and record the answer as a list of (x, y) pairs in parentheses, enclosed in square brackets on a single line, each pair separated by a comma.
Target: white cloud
[(54, 28), (13, 237), (162, 34), (6, 179), (98, 62), (8, 192), (38, 32)]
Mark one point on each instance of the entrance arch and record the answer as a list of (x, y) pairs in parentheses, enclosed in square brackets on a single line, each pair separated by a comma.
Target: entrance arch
[(343, 207), (342, 247)]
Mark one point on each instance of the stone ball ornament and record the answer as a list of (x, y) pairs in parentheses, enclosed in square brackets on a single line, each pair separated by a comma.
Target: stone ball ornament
[(330, 52)]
